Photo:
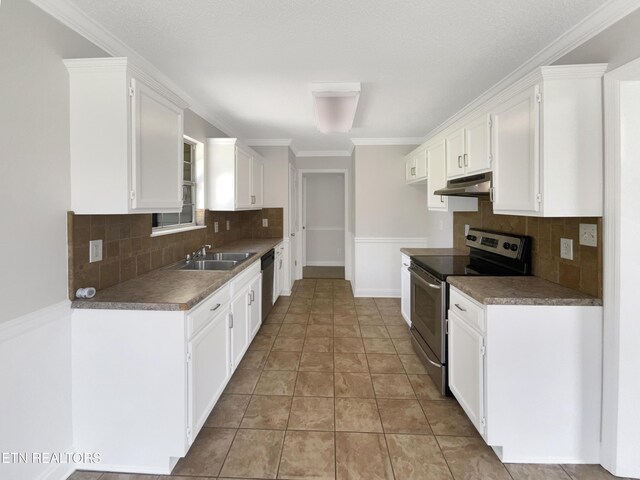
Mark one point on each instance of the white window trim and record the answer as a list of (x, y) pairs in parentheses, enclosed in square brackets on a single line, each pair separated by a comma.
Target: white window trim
[(160, 231)]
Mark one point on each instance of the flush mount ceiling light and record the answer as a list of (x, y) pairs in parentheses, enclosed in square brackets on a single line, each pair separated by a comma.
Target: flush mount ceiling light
[(335, 105)]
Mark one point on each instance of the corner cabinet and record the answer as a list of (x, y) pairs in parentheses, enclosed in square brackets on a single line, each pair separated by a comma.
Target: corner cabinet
[(235, 176), (547, 144), (126, 136), (164, 371), (416, 166), (502, 356)]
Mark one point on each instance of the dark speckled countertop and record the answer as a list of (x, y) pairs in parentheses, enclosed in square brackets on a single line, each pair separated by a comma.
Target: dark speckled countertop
[(527, 290), (173, 290)]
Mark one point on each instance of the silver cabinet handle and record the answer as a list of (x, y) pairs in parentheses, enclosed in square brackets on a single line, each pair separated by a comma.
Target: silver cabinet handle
[(405, 264), (460, 308), (466, 160), (441, 199), (253, 296), (459, 161), (215, 308), (491, 194)]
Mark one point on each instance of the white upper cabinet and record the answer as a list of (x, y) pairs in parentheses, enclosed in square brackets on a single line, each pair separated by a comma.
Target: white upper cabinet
[(516, 181), (468, 148), (234, 178), (126, 132), (436, 162), (416, 166), (547, 144)]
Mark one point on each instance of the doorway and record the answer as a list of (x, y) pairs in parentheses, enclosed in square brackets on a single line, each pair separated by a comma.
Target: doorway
[(324, 224)]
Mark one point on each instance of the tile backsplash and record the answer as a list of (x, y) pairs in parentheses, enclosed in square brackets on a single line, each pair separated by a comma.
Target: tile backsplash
[(583, 273), (128, 249)]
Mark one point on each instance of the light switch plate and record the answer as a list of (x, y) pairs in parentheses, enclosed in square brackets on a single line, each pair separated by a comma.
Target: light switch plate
[(216, 227), (265, 222), (566, 248), (466, 229), (228, 225), (589, 234), (95, 251)]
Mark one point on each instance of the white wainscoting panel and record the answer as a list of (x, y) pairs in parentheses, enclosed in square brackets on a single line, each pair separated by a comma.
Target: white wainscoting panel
[(377, 264), (35, 398)]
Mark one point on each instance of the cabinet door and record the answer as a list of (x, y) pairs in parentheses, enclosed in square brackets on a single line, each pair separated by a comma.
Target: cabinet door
[(280, 272), (255, 307), (516, 163), (437, 176), (421, 164), (410, 168), (243, 179), (156, 151), (455, 154), (405, 290), (240, 325), (477, 156), (257, 178), (209, 369), (466, 368)]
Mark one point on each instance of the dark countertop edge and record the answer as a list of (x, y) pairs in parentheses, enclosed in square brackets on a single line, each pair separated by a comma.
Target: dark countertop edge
[(89, 304), (583, 301)]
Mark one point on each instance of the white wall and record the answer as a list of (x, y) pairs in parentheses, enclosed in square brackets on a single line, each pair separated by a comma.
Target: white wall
[(35, 326), (390, 215), (35, 351), (325, 218)]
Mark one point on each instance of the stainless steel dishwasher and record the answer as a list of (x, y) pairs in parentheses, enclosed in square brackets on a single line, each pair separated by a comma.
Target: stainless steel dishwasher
[(267, 282)]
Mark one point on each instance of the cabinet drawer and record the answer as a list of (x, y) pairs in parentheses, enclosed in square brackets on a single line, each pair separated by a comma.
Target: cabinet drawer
[(467, 309), (199, 316)]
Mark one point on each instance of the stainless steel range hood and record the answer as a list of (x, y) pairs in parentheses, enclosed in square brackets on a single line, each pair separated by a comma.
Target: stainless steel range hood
[(470, 186)]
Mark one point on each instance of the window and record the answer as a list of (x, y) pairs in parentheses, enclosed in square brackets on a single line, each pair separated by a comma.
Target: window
[(187, 217)]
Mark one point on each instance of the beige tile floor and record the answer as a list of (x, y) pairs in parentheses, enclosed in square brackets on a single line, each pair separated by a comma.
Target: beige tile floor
[(331, 388)]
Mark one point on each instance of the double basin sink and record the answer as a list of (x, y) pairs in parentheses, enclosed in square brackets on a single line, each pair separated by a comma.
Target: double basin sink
[(216, 261)]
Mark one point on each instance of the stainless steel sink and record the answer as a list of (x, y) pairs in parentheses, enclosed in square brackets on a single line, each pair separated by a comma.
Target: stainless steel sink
[(216, 261), (209, 265), (238, 257)]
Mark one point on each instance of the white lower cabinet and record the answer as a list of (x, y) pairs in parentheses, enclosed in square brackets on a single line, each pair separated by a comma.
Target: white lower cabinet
[(405, 289), (528, 377), (144, 382), (209, 369), (466, 368)]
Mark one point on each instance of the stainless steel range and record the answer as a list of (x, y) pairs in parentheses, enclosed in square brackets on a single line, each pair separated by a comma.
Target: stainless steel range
[(491, 253)]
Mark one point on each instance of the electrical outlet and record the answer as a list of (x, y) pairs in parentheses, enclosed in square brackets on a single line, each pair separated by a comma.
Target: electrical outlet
[(265, 222), (228, 225), (466, 230), (216, 227), (95, 251), (589, 234), (566, 248)]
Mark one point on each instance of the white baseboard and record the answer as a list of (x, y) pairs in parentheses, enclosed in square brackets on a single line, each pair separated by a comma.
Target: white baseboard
[(324, 264), (378, 293), (60, 471)]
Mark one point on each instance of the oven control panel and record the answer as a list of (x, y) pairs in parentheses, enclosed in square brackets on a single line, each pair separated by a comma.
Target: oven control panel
[(498, 243)]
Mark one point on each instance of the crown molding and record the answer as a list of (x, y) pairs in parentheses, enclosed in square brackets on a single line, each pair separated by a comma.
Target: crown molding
[(324, 153), (589, 27), (388, 141), (71, 16), (269, 142)]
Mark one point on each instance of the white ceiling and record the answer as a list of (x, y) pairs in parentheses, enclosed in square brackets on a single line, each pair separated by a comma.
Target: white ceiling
[(250, 63)]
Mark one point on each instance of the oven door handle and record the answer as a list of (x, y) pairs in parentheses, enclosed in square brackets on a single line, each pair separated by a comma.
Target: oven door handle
[(415, 275), (435, 364)]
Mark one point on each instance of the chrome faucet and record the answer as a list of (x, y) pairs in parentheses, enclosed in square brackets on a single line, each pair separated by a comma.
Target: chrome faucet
[(201, 252)]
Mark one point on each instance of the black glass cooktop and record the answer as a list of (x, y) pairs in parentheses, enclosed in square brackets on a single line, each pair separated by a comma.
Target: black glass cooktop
[(441, 266)]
